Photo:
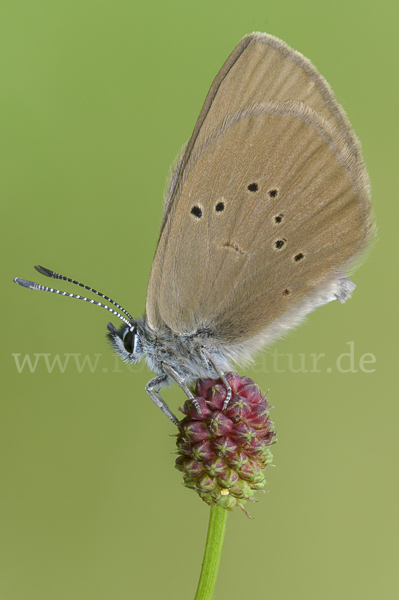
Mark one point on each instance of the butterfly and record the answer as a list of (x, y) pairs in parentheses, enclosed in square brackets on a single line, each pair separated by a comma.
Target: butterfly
[(268, 207)]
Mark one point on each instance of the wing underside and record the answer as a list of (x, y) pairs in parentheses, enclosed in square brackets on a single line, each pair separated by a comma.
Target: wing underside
[(268, 203)]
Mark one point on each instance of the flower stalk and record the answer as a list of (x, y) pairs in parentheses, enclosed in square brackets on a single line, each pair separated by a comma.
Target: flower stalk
[(213, 552)]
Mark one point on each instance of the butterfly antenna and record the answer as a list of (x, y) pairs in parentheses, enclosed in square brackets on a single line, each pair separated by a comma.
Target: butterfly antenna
[(54, 275), (42, 288)]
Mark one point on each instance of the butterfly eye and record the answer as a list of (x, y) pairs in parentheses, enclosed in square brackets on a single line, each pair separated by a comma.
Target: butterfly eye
[(128, 341)]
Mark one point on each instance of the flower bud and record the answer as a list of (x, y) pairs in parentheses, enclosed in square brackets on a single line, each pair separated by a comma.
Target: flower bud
[(222, 453)]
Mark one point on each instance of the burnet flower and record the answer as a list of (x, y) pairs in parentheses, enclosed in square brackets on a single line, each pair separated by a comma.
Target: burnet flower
[(223, 453)]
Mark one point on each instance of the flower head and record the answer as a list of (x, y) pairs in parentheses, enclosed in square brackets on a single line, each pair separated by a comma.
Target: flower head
[(222, 453)]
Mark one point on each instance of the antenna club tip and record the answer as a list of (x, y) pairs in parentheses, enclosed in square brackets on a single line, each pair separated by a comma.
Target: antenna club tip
[(25, 283), (44, 271)]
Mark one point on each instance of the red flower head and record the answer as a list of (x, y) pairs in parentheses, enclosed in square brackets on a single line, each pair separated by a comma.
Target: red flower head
[(222, 453)]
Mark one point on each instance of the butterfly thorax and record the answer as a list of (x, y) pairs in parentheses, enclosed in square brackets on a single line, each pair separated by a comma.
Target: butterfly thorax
[(183, 352)]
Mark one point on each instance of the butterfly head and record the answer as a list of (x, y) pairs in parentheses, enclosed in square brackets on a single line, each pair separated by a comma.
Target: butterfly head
[(126, 341)]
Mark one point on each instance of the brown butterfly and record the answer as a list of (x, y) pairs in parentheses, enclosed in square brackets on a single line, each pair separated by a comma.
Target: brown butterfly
[(268, 207)]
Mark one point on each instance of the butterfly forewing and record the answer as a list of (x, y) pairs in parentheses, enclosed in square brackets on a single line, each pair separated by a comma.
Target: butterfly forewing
[(262, 67), (270, 199)]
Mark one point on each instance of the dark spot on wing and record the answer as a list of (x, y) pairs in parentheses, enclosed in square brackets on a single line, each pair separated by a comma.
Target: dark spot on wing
[(196, 211)]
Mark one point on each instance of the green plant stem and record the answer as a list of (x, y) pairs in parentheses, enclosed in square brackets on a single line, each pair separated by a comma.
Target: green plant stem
[(213, 552)]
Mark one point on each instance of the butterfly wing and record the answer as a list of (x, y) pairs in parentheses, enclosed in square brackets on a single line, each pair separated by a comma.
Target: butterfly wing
[(260, 68), (268, 202)]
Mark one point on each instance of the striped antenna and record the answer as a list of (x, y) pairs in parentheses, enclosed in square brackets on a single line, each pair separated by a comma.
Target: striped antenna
[(42, 288), (54, 275)]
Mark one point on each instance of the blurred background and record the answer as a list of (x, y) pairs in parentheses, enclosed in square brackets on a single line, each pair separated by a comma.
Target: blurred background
[(96, 100)]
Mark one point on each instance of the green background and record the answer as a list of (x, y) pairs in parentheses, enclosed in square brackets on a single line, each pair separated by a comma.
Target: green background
[(97, 98)]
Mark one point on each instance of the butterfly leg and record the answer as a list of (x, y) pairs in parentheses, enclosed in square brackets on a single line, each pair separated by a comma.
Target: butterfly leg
[(222, 376), (180, 382), (157, 398)]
